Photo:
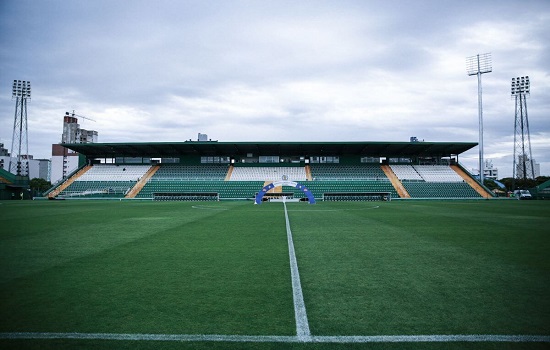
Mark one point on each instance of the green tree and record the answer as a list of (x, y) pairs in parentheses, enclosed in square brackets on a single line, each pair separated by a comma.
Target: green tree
[(490, 184), (521, 183), (542, 179), (39, 185)]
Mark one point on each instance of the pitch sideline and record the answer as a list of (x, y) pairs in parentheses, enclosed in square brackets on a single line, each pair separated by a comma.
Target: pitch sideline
[(436, 338)]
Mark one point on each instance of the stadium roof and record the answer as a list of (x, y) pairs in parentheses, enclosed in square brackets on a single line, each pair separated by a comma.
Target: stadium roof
[(235, 149)]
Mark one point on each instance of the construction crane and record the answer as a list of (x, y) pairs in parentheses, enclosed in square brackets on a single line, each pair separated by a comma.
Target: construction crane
[(80, 116)]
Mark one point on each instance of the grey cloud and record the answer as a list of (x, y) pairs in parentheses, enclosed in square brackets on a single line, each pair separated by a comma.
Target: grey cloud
[(351, 70)]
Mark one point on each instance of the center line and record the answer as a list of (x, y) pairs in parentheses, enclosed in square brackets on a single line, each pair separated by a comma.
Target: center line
[(302, 325)]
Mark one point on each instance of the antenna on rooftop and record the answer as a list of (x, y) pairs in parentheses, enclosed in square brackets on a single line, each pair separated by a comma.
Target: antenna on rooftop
[(80, 116)]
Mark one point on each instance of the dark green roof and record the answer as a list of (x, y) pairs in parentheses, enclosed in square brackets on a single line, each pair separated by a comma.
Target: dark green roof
[(235, 149)]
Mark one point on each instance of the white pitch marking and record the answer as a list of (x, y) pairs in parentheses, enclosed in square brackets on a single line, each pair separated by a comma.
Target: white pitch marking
[(436, 338), (376, 207), (317, 210), (207, 207), (440, 338), (302, 325), (151, 337)]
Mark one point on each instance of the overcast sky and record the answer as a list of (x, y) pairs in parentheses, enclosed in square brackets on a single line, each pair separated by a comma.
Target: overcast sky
[(150, 71)]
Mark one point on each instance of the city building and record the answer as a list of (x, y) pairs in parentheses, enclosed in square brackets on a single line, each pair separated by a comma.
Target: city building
[(65, 161), (37, 168), (489, 171), (520, 168)]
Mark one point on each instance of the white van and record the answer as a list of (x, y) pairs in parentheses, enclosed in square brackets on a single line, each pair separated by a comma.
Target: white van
[(522, 194)]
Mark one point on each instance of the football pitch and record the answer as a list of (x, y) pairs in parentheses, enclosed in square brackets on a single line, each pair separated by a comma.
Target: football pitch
[(202, 275)]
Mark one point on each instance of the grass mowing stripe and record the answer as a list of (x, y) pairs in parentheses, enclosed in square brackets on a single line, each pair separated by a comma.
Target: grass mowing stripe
[(413, 268), (302, 325), (492, 338), (481, 268), (201, 274), (53, 234)]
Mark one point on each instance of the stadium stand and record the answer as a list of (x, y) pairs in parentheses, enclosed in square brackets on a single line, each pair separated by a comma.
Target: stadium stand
[(440, 190), (179, 172), (428, 173), (216, 170), (336, 172), (396, 183), (319, 188), (65, 184), (406, 172), (437, 173), (200, 179), (104, 180), (262, 173), (225, 189), (433, 181), (110, 172), (144, 179), (243, 182)]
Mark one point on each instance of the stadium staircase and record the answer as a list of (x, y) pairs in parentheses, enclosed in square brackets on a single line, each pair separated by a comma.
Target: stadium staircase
[(139, 185), (3, 180), (474, 184), (7, 177), (229, 172), (308, 173), (401, 191), (69, 181)]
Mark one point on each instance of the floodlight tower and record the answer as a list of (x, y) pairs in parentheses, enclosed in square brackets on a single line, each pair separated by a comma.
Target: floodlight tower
[(21, 91), (477, 65), (523, 159)]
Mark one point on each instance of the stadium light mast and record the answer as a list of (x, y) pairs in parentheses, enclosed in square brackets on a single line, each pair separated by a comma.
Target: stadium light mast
[(477, 65), (523, 159), (21, 91)]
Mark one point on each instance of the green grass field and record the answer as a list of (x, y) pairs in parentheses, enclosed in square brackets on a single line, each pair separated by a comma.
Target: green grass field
[(222, 268)]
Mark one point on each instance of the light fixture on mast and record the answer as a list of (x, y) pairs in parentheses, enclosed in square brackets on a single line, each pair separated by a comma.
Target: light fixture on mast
[(523, 159), (21, 92), (477, 65)]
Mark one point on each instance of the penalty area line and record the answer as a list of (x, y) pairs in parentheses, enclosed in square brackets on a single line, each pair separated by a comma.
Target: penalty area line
[(491, 338)]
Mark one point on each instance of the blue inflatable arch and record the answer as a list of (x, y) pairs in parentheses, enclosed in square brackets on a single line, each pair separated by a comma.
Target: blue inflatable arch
[(272, 185)]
